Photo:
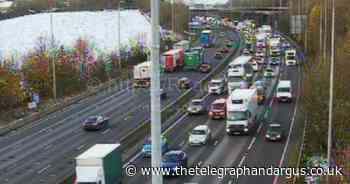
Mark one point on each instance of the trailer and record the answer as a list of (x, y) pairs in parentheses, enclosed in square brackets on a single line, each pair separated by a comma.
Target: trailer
[(194, 58), (206, 38), (173, 60), (100, 164)]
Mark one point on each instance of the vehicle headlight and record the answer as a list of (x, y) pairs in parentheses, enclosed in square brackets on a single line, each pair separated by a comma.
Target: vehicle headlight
[(278, 136), (245, 129), (227, 130), (267, 136)]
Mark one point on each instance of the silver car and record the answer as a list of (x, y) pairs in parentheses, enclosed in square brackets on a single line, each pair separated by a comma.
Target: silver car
[(196, 107)]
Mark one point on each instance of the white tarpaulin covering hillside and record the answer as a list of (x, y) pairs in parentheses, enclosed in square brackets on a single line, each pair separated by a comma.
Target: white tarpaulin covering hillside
[(20, 35)]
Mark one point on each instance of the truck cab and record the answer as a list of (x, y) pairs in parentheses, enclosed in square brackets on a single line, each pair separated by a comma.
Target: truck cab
[(241, 111)]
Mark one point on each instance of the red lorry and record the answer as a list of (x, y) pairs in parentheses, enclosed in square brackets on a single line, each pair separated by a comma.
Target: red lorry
[(173, 60)]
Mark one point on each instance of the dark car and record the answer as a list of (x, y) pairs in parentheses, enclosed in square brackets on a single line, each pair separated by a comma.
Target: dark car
[(174, 159), (95, 123), (218, 55), (184, 83), (205, 68), (274, 132), (274, 61)]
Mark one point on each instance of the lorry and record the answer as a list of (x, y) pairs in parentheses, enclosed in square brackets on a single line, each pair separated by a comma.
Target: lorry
[(291, 57), (142, 74), (183, 44), (241, 115), (173, 60), (100, 164), (206, 38), (275, 47), (239, 73), (194, 58)]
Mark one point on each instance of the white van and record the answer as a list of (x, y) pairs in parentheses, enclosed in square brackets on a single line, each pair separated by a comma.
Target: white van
[(284, 91), (291, 57)]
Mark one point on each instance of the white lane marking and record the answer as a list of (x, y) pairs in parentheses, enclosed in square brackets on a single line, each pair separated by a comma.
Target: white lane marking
[(259, 129), (289, 133), (182, 144), (132, 159), (176, 122), (251, 143), (80, 147), (216, 142), (241, 161), (106, 131), (199, 163), (44, 169), (230, 182)]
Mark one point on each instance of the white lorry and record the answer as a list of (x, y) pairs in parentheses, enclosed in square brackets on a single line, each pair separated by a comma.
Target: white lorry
[(275, 47), (242, 108), (142, 74), (239, 73), (100, 164), (291, 57)]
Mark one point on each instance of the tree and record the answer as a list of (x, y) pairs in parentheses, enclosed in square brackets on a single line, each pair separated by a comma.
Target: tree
[(11, 92)]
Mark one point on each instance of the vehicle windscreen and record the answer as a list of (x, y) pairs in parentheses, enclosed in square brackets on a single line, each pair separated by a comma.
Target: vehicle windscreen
[(274, 130), (290, 57), (198, 132), (235, 79), (215, 83), (237, 116), (217, 106), (170, 157), (269, 70), (195, 103), (283, 90), (92, 119)]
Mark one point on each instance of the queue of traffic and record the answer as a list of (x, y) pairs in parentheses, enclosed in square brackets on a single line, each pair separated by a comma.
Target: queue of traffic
[(239, 91)]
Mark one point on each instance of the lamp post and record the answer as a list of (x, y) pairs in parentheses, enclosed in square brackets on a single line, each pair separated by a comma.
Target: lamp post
[(51, 4)]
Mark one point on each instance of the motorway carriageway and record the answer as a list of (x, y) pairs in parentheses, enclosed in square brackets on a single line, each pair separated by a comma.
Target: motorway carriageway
[(228, 151), (45, 152)]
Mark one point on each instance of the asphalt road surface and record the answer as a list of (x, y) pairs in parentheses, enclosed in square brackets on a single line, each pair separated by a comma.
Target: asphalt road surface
[(44, 152), (230, 151)]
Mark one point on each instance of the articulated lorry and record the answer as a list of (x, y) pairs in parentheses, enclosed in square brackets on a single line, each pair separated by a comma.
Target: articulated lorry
[(100, 164), (173, 60), (142, 75), (242, 108)]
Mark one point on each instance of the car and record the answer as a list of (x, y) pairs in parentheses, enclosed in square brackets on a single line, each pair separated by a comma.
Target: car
[(147, 147), (218, 109), (200, 135), (216, 86), (260, 53), (274, 61), (174, 159), (219, 55), (274, 132), (255, 66), (246, 52), (95, 122), (224, 50), (260, 60), (222, 34), (196, 106), (269, 72), (163, 94), (205, 68), (184, 83), (229, 43)]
